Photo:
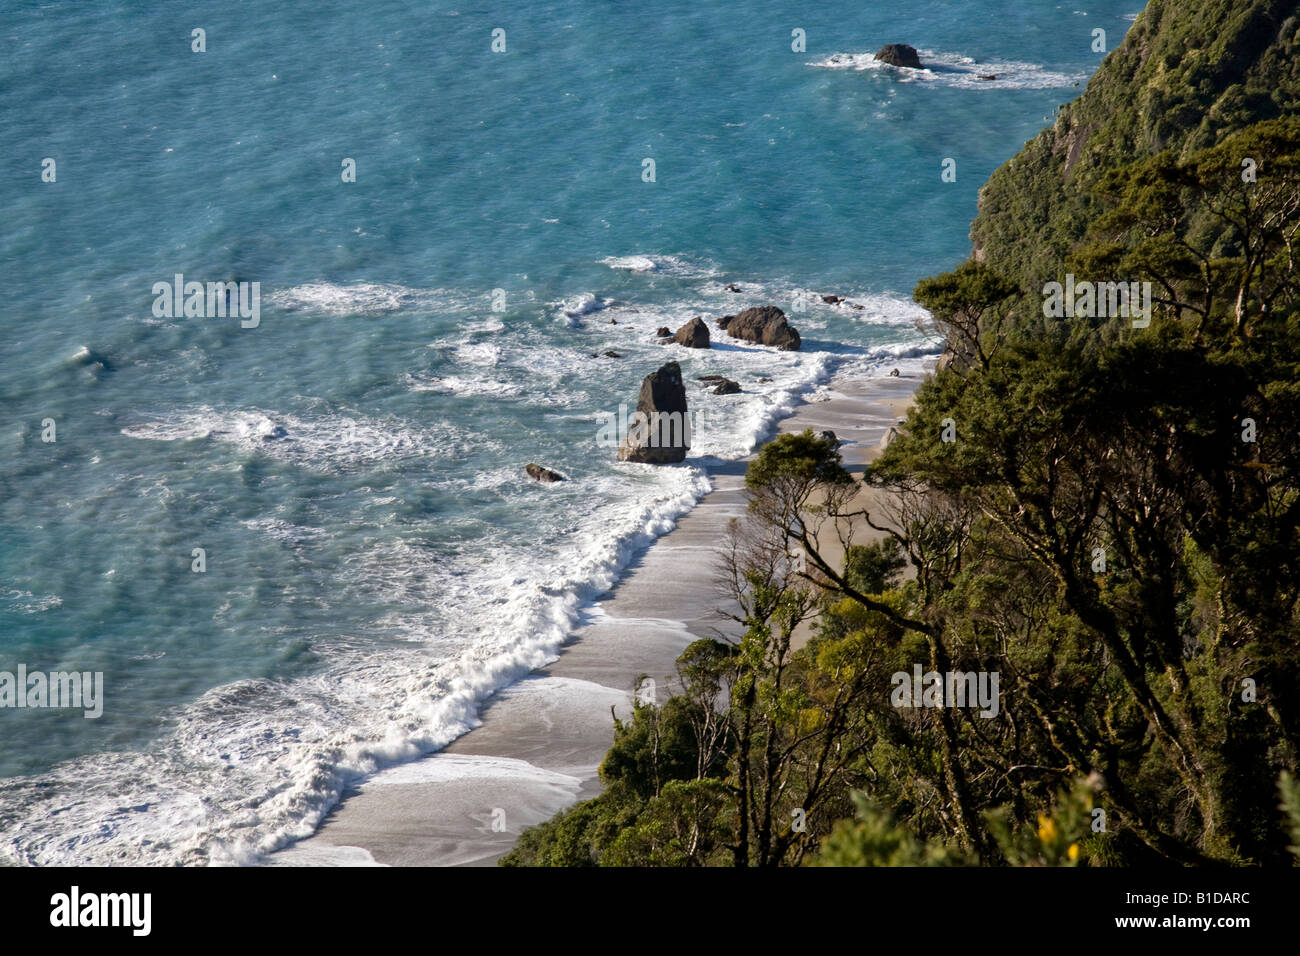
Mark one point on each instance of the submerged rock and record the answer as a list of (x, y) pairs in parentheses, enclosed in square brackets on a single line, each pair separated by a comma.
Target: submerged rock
[(86, 357), (900, 54), (659, 433), (719, 384), (542, 474), (694, 334), (765, 325)]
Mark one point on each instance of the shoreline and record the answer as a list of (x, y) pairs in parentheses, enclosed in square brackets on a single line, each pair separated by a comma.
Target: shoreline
[(541, 739)]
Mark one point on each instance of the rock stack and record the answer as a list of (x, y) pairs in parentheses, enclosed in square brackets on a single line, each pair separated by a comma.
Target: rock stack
[(660, 431)]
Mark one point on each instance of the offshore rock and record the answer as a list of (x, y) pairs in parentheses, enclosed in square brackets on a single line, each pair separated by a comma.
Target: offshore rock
[(542, 474), (900, 54), (694, 334), (659, 433), (765, 326)]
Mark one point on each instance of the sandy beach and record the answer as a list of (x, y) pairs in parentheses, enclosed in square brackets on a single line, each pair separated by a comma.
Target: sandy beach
[(542, 739)]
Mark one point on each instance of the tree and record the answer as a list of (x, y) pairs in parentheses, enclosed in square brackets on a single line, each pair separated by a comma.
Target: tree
[(971, 307)]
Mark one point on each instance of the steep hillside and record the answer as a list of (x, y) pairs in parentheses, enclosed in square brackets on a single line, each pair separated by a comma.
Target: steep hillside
[(1185, 76)]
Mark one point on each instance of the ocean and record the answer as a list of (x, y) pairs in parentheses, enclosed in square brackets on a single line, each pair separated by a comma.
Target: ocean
[(303, 550)]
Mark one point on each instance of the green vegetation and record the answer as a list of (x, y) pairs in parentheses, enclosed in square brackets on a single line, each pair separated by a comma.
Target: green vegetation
[(1186, 75), (1105, 515)]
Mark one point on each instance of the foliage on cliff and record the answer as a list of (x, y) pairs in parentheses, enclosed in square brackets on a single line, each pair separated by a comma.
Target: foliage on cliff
[(1186, 75)]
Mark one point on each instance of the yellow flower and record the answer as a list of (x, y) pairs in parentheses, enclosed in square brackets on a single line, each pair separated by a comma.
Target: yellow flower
[(1046, 829), (1073, 852)]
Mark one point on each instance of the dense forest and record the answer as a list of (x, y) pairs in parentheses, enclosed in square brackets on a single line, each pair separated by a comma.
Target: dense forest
[(1100, 509)]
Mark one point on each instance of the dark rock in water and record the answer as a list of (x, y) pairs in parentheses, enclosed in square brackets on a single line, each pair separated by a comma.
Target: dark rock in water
[(894, 374), (855, 305), (725, 321), (664, 332), (279, 431), (694, 334), (727, 387), (660, 431), (766, 326), (542, 474), (711, 379), (988, 76), (832, 299), (613, 321), (829, 437), (612, 354), (764, 379), (732, 287), (900, 54)]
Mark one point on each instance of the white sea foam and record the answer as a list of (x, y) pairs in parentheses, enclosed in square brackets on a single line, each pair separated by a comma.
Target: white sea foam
[(491, 325), (25, 602), (362, 298), (958, 71), (323, 855), (443, 768), (631, 263), (669, 265), (323, 443), (585, 304), (463, 385), (284, 531), (482, 353), (901, 350)]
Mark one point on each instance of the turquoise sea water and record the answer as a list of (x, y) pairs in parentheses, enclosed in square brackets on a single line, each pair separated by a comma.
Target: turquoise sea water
[(376, 561)]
